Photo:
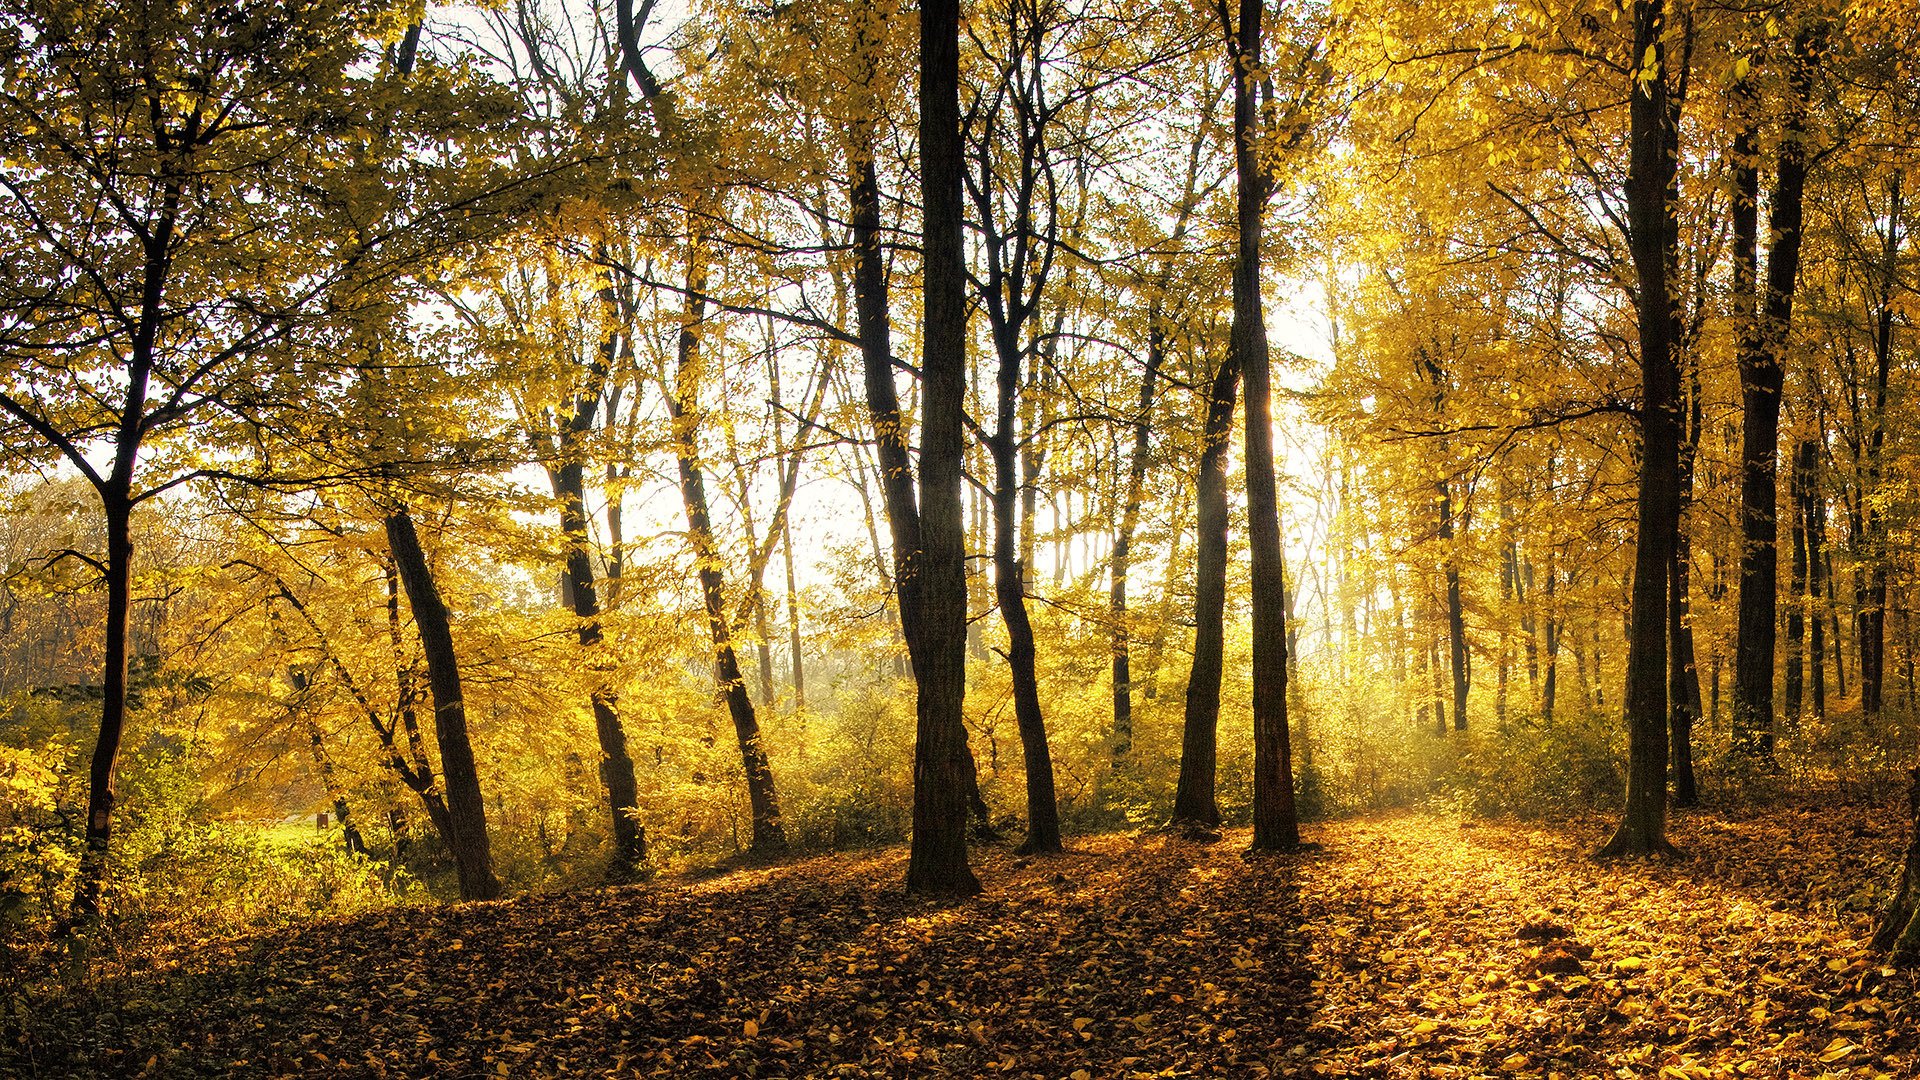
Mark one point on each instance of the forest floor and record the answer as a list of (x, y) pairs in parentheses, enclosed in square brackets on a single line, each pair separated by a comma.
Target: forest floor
[(1407, 946)]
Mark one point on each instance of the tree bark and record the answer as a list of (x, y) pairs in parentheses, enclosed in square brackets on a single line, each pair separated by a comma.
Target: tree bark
[(1814, 518), (1652, 162), (1761, 374), (1009, 587), (937, 859), (616, 762), (1683, 675), (118, 572), (1275, 823), (1194, 802), (1899, 930), (1796, 588), (1871, 622), (466, 811), (1121, 558), (769, 835)]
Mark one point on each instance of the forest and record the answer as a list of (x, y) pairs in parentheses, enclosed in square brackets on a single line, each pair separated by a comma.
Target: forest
[(1053, 538)]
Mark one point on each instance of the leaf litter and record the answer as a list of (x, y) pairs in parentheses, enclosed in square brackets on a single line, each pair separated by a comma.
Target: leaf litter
[(1407, 946)]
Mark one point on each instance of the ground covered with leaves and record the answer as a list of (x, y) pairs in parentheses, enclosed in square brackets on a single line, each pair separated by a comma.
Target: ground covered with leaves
[(1407, 946)]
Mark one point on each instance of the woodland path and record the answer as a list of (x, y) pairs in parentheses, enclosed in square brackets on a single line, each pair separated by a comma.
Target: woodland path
[(1409, 946)]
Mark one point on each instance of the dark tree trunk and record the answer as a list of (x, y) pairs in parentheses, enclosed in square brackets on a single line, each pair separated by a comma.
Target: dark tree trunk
[(1839, 636), (1459, 660), (937, 860), (118, 567), (769, 835), (798, 659), (1121, 556), (1814, 516), (1760, 357), (1550, 620), (1010, 593), (1796, 588), (1194, 802), (466, 811), (1760, 378), (616, 763), (1275, 824), (1683, 689), (895, 460), (419, 775), (350, 837), (1899, 930), (1871, 635), (1652, 161)]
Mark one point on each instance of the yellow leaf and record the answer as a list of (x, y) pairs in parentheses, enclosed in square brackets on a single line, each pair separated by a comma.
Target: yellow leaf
[(1837, 1049), (750, 1029)]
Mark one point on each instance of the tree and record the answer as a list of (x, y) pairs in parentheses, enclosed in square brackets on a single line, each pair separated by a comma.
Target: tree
[(188, 196), (1652, 162), (937, 862), (1275, 824)]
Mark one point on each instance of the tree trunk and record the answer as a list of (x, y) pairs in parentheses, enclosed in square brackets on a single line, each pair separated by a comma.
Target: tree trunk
[(1796, 588), (118, 566), (1871, 635), (466, 811), (1194, 803), (1683, 675), (1459, 659), (798, 659), (769, 835), (1813, 514), (1760, 379), (1009, 587), (1195, 800), (937, 859), (1761, 373), (1121, 557), (1899, 930), (1652, 161), (616, 763), (1275, 824), (1549, 682)]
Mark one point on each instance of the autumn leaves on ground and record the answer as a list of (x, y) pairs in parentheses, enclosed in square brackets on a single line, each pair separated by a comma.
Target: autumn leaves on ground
[(1410, 945)]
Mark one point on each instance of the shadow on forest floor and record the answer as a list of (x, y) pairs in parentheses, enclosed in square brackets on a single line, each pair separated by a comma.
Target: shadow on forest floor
[(1411, 946)]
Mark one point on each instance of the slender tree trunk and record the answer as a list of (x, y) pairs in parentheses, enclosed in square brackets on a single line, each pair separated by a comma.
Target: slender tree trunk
[(1193, 801), (1813, 512), (1460, 661), (466, 810), (616, 762), (937, 860), (1760, 379), (1550, 618), (769, 835), (895, 461), (1120, 559), (1796, 589), (1652, 161), (1761, 374), (798, 657), (1872, 600), (350, 837), (1009, 586), (118, 566), (1683, 689)]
